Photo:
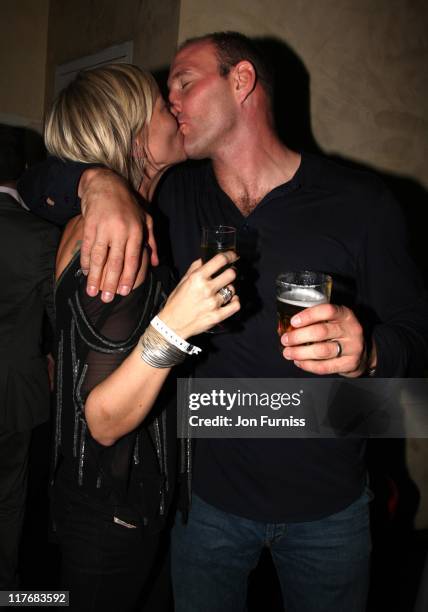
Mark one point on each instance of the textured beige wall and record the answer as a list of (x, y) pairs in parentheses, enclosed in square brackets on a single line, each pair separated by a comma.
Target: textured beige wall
[(368, 67), (23, 44), (83, 27)]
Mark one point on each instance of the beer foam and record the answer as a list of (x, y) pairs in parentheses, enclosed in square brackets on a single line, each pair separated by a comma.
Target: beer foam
[(303, 297)]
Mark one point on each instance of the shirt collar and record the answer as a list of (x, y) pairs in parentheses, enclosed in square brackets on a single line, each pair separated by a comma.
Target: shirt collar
[(15, 195)]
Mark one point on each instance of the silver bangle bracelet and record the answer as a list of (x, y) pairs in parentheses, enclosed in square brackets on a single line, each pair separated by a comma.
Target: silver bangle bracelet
[(157, 351)]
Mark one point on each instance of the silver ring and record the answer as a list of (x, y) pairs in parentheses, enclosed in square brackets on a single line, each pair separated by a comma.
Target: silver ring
[(226, 294), (339, 348)]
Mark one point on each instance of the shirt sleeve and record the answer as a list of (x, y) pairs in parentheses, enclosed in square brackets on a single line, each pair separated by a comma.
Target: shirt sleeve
[(114, 322), (394, 293), (50, 188)]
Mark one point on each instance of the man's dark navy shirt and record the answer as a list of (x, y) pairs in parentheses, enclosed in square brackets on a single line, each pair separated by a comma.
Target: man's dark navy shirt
[(327, 218)]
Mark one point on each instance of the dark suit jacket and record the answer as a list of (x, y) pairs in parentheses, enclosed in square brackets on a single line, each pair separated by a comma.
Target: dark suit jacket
[(27, 260)]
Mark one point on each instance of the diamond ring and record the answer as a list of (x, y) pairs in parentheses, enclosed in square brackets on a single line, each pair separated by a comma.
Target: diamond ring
[(226, 294)]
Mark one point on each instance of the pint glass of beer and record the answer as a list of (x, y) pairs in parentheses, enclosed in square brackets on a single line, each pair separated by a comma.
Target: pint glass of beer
[(298, 290)]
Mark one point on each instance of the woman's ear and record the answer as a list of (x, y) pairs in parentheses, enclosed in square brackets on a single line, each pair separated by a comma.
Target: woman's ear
[(245, 79), (138, 146)]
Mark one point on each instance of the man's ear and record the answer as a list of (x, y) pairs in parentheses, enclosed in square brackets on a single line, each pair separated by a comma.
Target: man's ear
[(245, 79)]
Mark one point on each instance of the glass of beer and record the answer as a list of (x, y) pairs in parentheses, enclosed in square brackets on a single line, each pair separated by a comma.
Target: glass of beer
[(217, 239), (298, 290)]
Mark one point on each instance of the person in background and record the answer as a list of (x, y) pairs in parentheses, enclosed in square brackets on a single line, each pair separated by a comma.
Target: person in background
[(27, 258)]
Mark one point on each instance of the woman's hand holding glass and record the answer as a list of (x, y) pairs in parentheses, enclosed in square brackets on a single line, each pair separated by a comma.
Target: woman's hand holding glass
[(196, 305)]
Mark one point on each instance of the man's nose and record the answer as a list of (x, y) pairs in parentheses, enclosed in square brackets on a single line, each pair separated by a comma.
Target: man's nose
[(174, 103)]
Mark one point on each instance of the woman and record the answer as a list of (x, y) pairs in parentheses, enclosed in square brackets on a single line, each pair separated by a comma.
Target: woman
[(114, 450)]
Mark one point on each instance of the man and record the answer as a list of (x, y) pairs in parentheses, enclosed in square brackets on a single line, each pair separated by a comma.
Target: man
[(305, 499), (27, 256)]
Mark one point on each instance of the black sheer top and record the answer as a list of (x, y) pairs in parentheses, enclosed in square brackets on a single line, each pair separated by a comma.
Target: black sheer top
[(92, 340)]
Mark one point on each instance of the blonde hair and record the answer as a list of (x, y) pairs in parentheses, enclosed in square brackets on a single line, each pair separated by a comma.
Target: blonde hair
[(98, 116)]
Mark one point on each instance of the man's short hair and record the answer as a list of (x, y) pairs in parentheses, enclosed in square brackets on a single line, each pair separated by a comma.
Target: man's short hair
[(234, 47), (12, 153)]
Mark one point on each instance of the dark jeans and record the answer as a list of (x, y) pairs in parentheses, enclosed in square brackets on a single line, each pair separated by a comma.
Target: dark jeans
[(13, 488), (105, 565), (322, 565)]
